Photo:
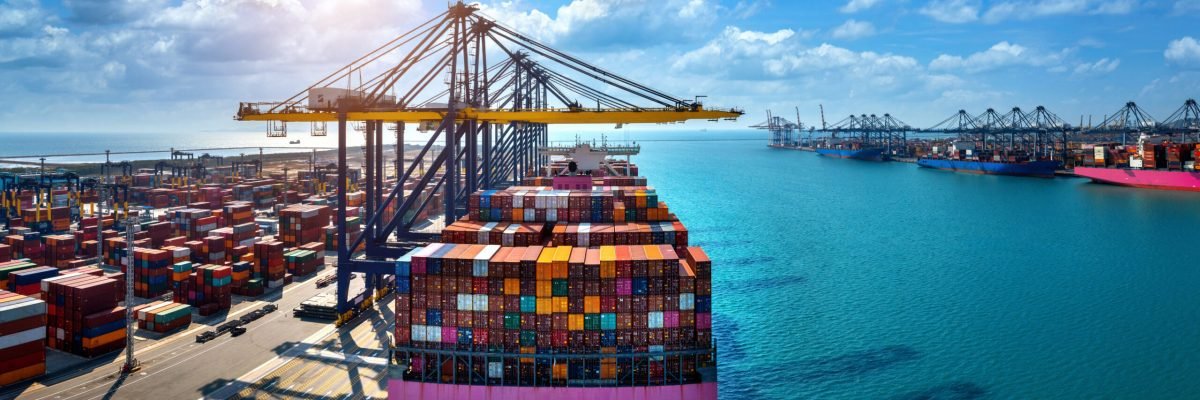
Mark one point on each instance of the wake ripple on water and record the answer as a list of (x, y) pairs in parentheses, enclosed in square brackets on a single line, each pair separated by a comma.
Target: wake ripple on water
[(959, 390), (753, 285), (853, 364)]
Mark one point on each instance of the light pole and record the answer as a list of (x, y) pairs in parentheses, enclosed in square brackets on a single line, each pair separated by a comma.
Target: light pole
[(131, 363)]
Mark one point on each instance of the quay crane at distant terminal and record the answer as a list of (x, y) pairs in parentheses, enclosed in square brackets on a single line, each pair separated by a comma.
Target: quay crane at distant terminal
[(498, 91)]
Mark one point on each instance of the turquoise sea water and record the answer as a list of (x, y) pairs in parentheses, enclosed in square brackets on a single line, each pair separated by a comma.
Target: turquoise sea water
[(846, 279)]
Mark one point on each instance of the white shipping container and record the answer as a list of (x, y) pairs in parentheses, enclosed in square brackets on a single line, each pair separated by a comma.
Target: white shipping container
[(19, 309), (1189, 165), (687, 301), (1135, 163), (480, 264), (433, 333), (655, 320), (465, 302), (418, 333), (1098, 152), (481, 302), (495, 369), (552, 215), (33, 335)]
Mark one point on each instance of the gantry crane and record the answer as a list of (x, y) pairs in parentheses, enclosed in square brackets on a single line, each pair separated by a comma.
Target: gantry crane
[(485, 91)]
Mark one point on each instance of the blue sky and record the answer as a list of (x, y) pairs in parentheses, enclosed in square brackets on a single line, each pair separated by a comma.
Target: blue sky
[(182, 66)]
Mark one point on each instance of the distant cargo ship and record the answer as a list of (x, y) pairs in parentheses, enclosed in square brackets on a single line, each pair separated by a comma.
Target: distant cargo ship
[(1043, 169), (1144, 165), (1143, 178), (868, 154)]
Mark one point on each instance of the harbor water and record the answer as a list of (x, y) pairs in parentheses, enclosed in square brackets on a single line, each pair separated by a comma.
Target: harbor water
[(842, 279)]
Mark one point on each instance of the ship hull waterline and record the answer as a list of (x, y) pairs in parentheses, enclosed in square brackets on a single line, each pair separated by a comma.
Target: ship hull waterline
[(871, 154), (1143, 178), (1040, 169)]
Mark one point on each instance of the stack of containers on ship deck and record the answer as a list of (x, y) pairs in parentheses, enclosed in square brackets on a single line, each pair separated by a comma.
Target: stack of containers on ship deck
[(22, 337), (302, 223), (601, 234), (60, 250), (601, 204), (28, 281), (83, 315), (210, 288), (622, 279), (269, 263), (152, 272), (163, 316), (465, 231)]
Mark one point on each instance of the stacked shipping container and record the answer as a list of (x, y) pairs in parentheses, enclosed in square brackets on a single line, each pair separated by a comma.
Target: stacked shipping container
[(83, 316), (599, 288), (22, 337)]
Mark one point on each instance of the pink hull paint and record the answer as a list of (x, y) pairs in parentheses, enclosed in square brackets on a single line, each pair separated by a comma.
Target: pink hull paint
[(1143, 178), (401, 389)]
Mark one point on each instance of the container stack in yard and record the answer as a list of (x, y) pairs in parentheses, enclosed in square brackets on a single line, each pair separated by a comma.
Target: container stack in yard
[(22, 337), (194, 223), (269, 264), (209, 288), (610, 272), (302, 223), (238, 213), (302, 262), (83, 316), (28, 282), (163, 316), (60, 250), (152, 272)]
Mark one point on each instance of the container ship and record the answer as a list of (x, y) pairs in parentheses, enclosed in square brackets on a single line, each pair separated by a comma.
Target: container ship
[(579, 284), (1166, 166), (963, 157), (851, 149)]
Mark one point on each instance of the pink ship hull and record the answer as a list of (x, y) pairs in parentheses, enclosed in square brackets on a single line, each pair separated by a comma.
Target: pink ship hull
[(401, 389), (1143, 178)]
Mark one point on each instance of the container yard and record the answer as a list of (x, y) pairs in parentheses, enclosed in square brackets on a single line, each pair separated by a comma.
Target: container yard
[(528, 270)]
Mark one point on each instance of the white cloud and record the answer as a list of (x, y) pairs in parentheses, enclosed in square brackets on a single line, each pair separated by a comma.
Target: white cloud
[(952, 11), (852, 29), (1000, 55), (22, 18), (601, 23), (854, 6), (1185, 50), (1101, 66), (1022, 10)]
